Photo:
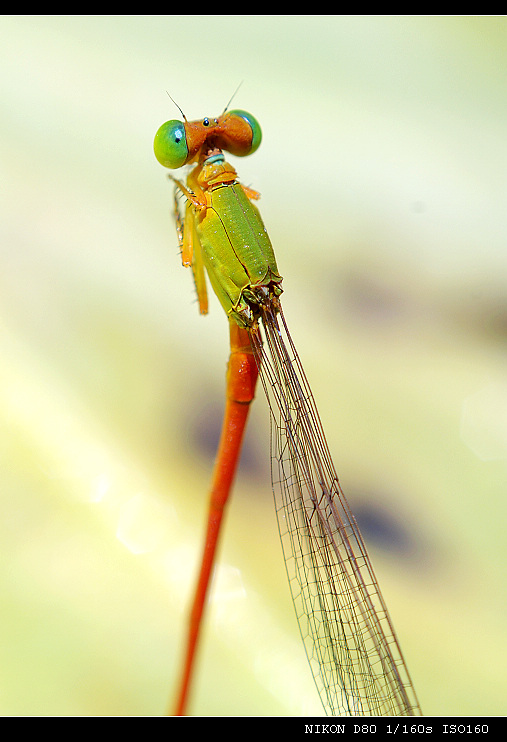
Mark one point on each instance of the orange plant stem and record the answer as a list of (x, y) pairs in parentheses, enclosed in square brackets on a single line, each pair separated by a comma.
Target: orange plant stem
[(242, 375)]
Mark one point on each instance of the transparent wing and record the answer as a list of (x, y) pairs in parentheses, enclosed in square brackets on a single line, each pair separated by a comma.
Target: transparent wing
[(349, 640)]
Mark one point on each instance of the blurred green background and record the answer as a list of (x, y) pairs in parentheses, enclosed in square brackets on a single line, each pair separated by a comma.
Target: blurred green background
[(383, 174)]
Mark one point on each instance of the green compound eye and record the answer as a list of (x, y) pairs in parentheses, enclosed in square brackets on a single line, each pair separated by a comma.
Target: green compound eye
[(170, 144), (254, 126)]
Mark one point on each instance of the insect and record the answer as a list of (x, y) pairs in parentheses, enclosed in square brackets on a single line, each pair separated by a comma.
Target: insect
[(350, 643)]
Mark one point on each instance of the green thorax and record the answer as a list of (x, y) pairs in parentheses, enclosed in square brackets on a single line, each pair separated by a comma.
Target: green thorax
[(237, 251)]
